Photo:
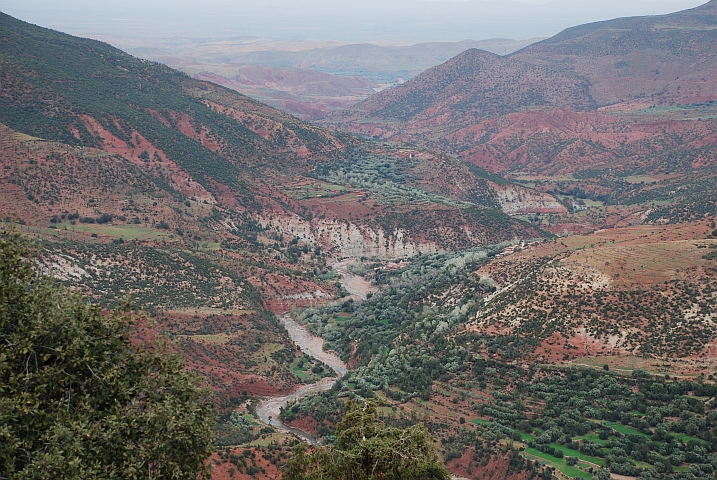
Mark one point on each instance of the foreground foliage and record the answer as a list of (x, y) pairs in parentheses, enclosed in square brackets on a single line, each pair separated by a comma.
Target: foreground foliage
[(78, 399), (367, 449)]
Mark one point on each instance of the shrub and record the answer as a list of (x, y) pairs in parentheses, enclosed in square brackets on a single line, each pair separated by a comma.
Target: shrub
[(78, 398)]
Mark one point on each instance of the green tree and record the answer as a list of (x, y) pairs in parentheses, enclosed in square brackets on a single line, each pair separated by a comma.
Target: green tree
[(80, 397), (367, 449), (601, 474)]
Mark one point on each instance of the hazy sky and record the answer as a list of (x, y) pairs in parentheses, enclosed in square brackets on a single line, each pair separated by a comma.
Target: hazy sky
[(342, 20)]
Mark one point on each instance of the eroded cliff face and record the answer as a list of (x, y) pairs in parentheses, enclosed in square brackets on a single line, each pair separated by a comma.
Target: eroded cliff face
[(514, 200), (351, 240)]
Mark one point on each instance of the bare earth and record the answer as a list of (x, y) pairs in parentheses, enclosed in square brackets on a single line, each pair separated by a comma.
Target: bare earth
[(356, 285)]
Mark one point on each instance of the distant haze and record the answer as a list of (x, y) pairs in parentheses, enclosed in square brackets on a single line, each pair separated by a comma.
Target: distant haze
[(387, 21)]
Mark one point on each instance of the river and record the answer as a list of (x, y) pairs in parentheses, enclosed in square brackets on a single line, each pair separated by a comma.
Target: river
[(269, 409), (356, 285)]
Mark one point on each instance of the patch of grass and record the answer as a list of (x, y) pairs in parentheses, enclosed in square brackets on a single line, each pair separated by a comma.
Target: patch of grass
[(593, 437), (128, 232), (480, 421), (300, 372), (269, 439), (526, 437), (683, 437), (559, 463), (625, 430)]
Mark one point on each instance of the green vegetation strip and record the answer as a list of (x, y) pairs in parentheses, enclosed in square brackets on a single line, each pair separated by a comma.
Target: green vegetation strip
[(560, 464)]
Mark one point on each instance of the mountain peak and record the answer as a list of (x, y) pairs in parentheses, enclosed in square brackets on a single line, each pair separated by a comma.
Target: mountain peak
[(473, 85)]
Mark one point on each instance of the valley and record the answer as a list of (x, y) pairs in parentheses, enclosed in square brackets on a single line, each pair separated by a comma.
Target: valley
[(516, 249), (309, 79)]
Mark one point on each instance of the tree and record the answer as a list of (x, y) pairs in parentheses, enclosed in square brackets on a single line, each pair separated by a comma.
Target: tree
[(79, 397), (601, 474), (366, 449)]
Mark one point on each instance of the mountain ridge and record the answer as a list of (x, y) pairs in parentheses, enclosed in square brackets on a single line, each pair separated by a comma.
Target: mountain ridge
[(447, 87), (647, 107)]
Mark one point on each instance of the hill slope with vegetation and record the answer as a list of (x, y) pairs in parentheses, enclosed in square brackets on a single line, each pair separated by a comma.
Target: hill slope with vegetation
[(616, 111), (210, 209)]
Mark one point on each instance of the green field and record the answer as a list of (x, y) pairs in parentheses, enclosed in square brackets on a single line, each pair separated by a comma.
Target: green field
[(625, 430), (593, 437), (559, 463), (568, 452), (128, 232), (314, 190)]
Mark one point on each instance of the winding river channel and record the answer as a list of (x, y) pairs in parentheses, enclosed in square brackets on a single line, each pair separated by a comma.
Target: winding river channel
[(268, 410)]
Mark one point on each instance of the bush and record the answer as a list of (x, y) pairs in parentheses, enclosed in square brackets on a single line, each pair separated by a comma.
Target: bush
[(367, 449), (79, 399), (104, 218)]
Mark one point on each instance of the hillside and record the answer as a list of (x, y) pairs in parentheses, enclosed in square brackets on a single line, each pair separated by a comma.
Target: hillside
[(222, 147), (618, 112), (212, 210), (575, 353), (663, 59)]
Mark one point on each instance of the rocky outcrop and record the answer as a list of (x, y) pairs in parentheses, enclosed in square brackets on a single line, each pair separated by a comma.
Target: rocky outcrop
[(351, 240), (515, 200)]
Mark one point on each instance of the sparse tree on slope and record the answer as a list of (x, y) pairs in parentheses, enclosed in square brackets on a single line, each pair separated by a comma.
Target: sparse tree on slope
[(366, 449), (77, 399)]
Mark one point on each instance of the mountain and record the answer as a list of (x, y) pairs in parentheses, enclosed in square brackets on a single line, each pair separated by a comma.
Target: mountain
[(378, 63), (381, 63), (663, 58), (593, 354), (309, 79), (582, 113), (466, 89)]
